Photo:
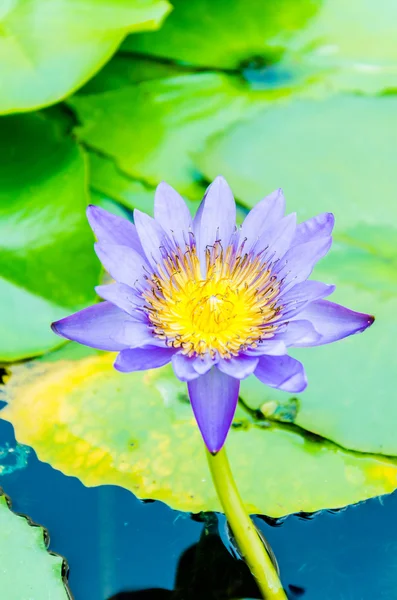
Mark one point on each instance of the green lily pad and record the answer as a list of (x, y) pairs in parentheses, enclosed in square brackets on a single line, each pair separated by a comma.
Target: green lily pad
[(151, 129), (106, 178), (333, 155), (48, 50), (47, 264), (138, 431), (336, 155), (349, 49), (28, 570), (354, 47), (124, 69), (350, 396), (208, 34)]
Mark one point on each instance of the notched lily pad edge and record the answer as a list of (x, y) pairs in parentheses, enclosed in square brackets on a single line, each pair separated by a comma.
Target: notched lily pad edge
[(46, 538)]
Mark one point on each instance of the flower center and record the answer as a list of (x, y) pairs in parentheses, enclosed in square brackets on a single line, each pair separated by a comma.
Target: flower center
[(222, 313)]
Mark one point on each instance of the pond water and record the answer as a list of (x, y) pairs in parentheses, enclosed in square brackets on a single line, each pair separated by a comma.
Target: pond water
[(120, 548)]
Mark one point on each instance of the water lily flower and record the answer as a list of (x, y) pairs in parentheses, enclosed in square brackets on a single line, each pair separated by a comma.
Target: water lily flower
[(219, 302)]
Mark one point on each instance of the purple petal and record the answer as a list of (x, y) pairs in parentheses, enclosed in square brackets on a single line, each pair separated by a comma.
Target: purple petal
[(278, 239), (110, 229), (124, 297), (297, 264), (172, 214), (274, 346), (124, 264), (216, 217), (334, 322), (140, 359), (239, 367), (301, 294), (214, 399), (183, 367), (202, 364), (299, 334), (103, 326), (152, 237), (282, 372), (262, 217), (315, 228)]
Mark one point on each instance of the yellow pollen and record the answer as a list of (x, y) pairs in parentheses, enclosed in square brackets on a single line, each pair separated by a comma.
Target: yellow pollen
[(228, 310)]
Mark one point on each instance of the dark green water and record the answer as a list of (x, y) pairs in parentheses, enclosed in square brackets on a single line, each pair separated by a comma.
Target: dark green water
[(114, 543)]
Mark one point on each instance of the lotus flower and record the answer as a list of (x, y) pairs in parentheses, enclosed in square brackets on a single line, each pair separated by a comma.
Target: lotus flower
[(219, 302)]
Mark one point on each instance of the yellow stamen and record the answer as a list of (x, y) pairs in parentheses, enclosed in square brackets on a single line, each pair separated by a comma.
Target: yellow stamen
[(226, 311)]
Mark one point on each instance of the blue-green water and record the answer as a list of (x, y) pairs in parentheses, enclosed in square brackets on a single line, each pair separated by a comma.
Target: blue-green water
[(114, 543)]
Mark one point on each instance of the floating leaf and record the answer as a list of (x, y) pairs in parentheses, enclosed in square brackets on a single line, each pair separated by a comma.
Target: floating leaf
[(124, 69), (350, 49), (28, 570), (333, 155), (336, 155), (352, 383), (106, 178), (138, 431), (208, 34), (354, 48), (48, 49), (151, 129), (47, 264)]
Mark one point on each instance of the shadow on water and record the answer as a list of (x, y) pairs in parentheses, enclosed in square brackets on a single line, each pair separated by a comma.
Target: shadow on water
[(205, 570), (119, 548)]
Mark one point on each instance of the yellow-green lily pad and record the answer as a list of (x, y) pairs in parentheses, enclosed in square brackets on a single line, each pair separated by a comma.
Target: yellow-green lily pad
[(214, 34), (50, 48), (138, 431)]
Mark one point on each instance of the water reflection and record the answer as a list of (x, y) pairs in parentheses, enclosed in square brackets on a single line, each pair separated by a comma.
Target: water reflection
[(206, 570)]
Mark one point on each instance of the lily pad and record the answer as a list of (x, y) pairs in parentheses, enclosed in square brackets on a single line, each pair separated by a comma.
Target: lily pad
[(208, 34), (124, 69), (47, 264), (138, 431), (336, 155), (151, 129), (28, 570), (354, 47), (49, 49), (332, 155), (350, 396), (106, 178), (348, 48)]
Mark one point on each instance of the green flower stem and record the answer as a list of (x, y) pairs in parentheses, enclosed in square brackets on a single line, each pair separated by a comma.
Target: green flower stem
[(244, 531)]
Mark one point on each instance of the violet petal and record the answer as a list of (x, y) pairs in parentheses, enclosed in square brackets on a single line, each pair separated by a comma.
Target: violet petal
[(278, 240), (262, 217), (301, 294), (315, 228), (152, 237), (281, 372), (334, 322), (239, 367), (299, 334), (274, 346), (111, 229), (171, 212), (125, 297), (122, 263), (183, 367), (103, 326), (216, 217), (140, 359), (214, 399), (298, 263)]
